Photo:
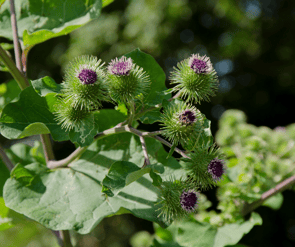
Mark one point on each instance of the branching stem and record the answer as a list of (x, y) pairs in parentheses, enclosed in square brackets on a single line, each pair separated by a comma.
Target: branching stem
[(279, 188)]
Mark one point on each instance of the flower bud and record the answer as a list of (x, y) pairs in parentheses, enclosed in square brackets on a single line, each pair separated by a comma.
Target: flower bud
[(181, 122), (70, 117), (189, 200), (84, 85), (195, 78), (126, 80), (203, 167), (216, 169), (177, 199)]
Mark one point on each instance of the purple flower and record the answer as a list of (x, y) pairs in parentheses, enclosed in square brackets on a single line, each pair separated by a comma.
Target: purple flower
[(87, 76), (187, 117), (216, 169), (201, 65), (120, 66), (189, 200)]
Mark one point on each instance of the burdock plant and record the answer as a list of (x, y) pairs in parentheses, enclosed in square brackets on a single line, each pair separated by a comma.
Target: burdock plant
[(195, 78)]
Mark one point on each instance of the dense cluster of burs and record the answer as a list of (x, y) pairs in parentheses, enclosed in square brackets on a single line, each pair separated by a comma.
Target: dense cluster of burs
[(88, 82)]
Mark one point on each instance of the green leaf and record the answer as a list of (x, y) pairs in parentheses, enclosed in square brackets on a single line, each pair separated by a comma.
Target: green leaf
[(5, 220), (121, 174), (121, 107), (85, 135), (72, 198), (46, 85), (274, 202), (157, 180), (39, 21), (151, 117), (104, 2), (156, 243), (31, 115), (156, 92), (231, 234), (195, 234), (4, 175), (171, 151), (20, 173), (8, 92)]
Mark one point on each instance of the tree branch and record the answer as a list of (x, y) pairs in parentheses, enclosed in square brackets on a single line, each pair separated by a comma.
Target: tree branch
[(279, 188)]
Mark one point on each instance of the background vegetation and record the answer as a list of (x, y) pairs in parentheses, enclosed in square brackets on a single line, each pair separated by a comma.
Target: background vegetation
[(252, 47)]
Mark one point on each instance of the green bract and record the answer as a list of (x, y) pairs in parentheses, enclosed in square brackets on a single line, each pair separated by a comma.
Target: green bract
[(194, 86), (70, 117)]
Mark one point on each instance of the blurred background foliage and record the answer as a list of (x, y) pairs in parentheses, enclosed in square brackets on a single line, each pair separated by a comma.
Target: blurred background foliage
[(251, 44)]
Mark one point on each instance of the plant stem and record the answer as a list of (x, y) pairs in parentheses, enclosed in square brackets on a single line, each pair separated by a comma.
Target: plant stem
[(17, 50), (6, 159), (47, 147), (145, 153), (279, 188), (65, 235), (64, 162), (170, 145), (140, 133), (14, 71)]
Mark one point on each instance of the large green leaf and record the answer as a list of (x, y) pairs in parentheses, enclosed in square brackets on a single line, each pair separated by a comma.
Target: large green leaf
[(71, 198), (5, 220), (46, 85), (31, 115), (156, 92), (231, 234), (39, 21), (4, 175), (8, 92), (121, 174)]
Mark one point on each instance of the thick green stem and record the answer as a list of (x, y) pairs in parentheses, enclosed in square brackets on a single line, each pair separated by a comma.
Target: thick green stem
[(14, 71)]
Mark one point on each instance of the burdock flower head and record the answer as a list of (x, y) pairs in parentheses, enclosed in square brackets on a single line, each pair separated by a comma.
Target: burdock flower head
[(120, 66), (126, 80), (203, 168), (87, 76), (195, 78), (84, 84), (188, 117), (181, 122), (200, 65), (177, 199), (216, 169), (189, 200)]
